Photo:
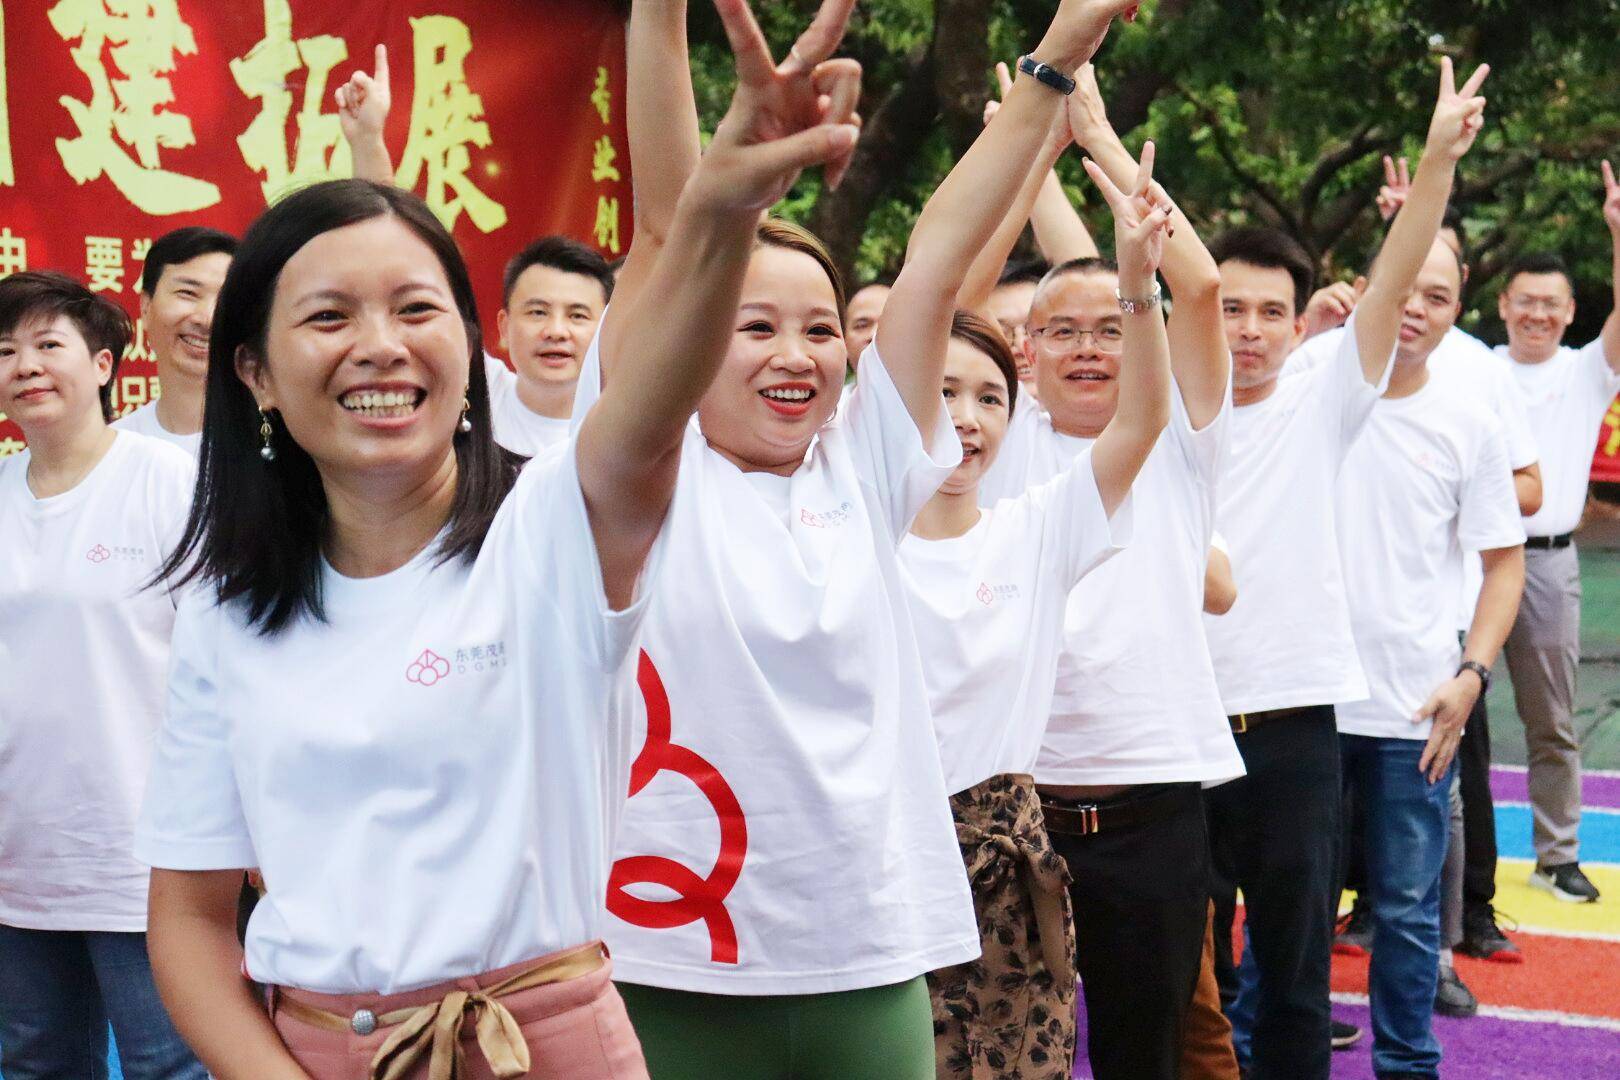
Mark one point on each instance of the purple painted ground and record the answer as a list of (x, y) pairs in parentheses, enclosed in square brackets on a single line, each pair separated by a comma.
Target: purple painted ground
[(1513, 786), (1481, 1048)]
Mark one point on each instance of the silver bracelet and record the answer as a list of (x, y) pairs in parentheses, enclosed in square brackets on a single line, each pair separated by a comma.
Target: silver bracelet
[(1132, 306)]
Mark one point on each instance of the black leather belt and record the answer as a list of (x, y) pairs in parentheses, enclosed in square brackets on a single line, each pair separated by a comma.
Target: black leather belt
[(1072, 818), (1549, 543), (1244, 721)]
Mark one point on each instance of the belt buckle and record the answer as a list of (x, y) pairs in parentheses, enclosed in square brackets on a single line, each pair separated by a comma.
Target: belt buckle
[(364, 1022), (1088, 819), (1240, 724)]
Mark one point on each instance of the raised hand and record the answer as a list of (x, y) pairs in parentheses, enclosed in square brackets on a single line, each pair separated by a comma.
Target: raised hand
[(1088, 116), (1611, 200), (1331, 305), (1397, 186), (1078, 29), (783, 117), (363, 102), (1458, 114), (1141, 220)]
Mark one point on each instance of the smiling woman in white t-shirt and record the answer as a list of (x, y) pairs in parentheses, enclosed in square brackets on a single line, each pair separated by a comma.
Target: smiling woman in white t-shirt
[(402, 688), (87, 514)]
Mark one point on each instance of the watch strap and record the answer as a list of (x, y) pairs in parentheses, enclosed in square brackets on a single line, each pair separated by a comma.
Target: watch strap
[(1045, 73), (1132, 305), (1479, 669)]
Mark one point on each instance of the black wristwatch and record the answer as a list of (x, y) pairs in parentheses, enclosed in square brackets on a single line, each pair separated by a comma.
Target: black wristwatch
[(1479, 669), (1047, 74)]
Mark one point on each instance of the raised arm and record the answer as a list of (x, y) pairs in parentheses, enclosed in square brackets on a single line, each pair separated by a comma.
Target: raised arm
[(1141, 225), (363, 103), (1611, 217), (661, 122), (1042, 202), (1199, 356), (963, 214), (629, 444), (1458, 116)]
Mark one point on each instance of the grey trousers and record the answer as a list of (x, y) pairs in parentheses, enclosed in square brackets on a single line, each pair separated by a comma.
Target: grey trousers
[(1451, 873), (1543, 650)]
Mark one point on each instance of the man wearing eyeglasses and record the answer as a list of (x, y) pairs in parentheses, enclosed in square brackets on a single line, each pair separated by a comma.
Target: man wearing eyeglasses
[(1566, 392), (1137, 725)]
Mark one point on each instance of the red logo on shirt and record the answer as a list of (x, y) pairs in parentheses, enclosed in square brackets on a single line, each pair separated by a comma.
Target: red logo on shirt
[(699, 897), (986, 597), (98, 554), (427, 669), (810, 519)]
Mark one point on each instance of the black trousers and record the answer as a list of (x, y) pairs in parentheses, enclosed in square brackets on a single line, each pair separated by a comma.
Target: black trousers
[(1479, 810), (1141, 900), (1274, 833)]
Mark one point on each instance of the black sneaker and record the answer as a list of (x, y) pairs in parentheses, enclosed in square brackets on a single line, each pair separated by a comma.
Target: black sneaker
[(1451, 997), (1483, 938), (1345, 1035), (1566, 882), (1354, 933)]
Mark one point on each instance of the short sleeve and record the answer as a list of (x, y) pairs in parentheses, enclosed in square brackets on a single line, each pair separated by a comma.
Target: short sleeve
[(1203, 448), (1488, 517), (1596, 373), (192, 816), (500, 378), (1313, 352), (1519, 438), (1346, 397), (548, 549), (1077, 535), (887, 446), (588, 388)]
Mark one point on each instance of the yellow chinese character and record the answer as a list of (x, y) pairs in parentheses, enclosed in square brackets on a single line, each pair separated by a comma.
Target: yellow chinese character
[(104, 263), (602, 97), (138, 349), (7, 176), (9, 446), (606, 229), (445, 117), (321, 153), (1611, 444), (139, 248), (13, 253), (130, 393), (141, 38), (602, 160)]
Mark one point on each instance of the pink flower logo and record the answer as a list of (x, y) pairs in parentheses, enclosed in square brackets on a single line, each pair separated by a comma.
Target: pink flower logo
[(427, 669), (98, 554), (986, 597), (811, 519)]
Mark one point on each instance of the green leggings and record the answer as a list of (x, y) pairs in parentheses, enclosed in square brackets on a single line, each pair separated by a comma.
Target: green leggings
[(884, 1033)]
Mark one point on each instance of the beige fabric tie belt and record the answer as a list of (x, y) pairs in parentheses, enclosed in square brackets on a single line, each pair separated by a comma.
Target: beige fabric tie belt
[(436, 1027), (1045, 879)]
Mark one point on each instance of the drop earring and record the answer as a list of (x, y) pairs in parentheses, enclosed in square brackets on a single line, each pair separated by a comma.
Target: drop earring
[(266, 433), (466, 421)]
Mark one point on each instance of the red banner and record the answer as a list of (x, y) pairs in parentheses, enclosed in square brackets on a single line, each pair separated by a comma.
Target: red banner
[(123, 119), (1606, 462)]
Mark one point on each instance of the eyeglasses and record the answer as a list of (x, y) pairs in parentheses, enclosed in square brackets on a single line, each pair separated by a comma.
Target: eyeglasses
[(1527, 305), (1107, 338)]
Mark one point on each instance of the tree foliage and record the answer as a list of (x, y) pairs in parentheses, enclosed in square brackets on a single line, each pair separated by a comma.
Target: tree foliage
[(1275, 111)]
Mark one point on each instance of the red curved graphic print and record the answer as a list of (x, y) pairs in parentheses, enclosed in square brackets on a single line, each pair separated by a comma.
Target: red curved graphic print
[(697, 897)]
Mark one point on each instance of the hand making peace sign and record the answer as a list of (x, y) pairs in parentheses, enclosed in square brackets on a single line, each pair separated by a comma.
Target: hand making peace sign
[(1458, 114), (1141, 220)]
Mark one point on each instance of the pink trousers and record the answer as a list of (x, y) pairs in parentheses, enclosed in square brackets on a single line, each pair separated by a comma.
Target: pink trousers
[(576, 1029)]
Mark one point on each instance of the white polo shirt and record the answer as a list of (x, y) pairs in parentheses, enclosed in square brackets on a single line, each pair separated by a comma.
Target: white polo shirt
[(517, 427), (144, 421)]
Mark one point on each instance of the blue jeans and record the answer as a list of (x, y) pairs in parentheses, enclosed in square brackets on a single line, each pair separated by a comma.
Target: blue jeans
[(1408, 824), (59, 990)]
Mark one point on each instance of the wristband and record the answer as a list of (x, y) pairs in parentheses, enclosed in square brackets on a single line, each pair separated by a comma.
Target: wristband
[(1479, 669), (1137, 305), (1045, 73)]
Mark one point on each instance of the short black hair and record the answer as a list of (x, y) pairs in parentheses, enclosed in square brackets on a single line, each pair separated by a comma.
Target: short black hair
[(1537, 262), (1269, 249), (883, 280), (558, 253), (181, 246), (44, 295), (256, 527), (1024, 272)]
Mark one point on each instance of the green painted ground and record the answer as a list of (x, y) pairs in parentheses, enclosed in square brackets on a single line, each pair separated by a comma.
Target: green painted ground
[(1597, 691)]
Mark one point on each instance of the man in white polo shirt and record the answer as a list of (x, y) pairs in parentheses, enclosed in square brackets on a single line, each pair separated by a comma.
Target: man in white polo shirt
[(1566, 391), (1284, 655)]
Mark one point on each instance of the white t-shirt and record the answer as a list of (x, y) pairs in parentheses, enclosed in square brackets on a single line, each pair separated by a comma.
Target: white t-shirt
[(144, 421), (1467, 366), (1566, 398), (430, 780), (988, 607), (84, 650), (1135, 699), (1286, 642), (788, 829), (517, 427), (1427, 481)]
